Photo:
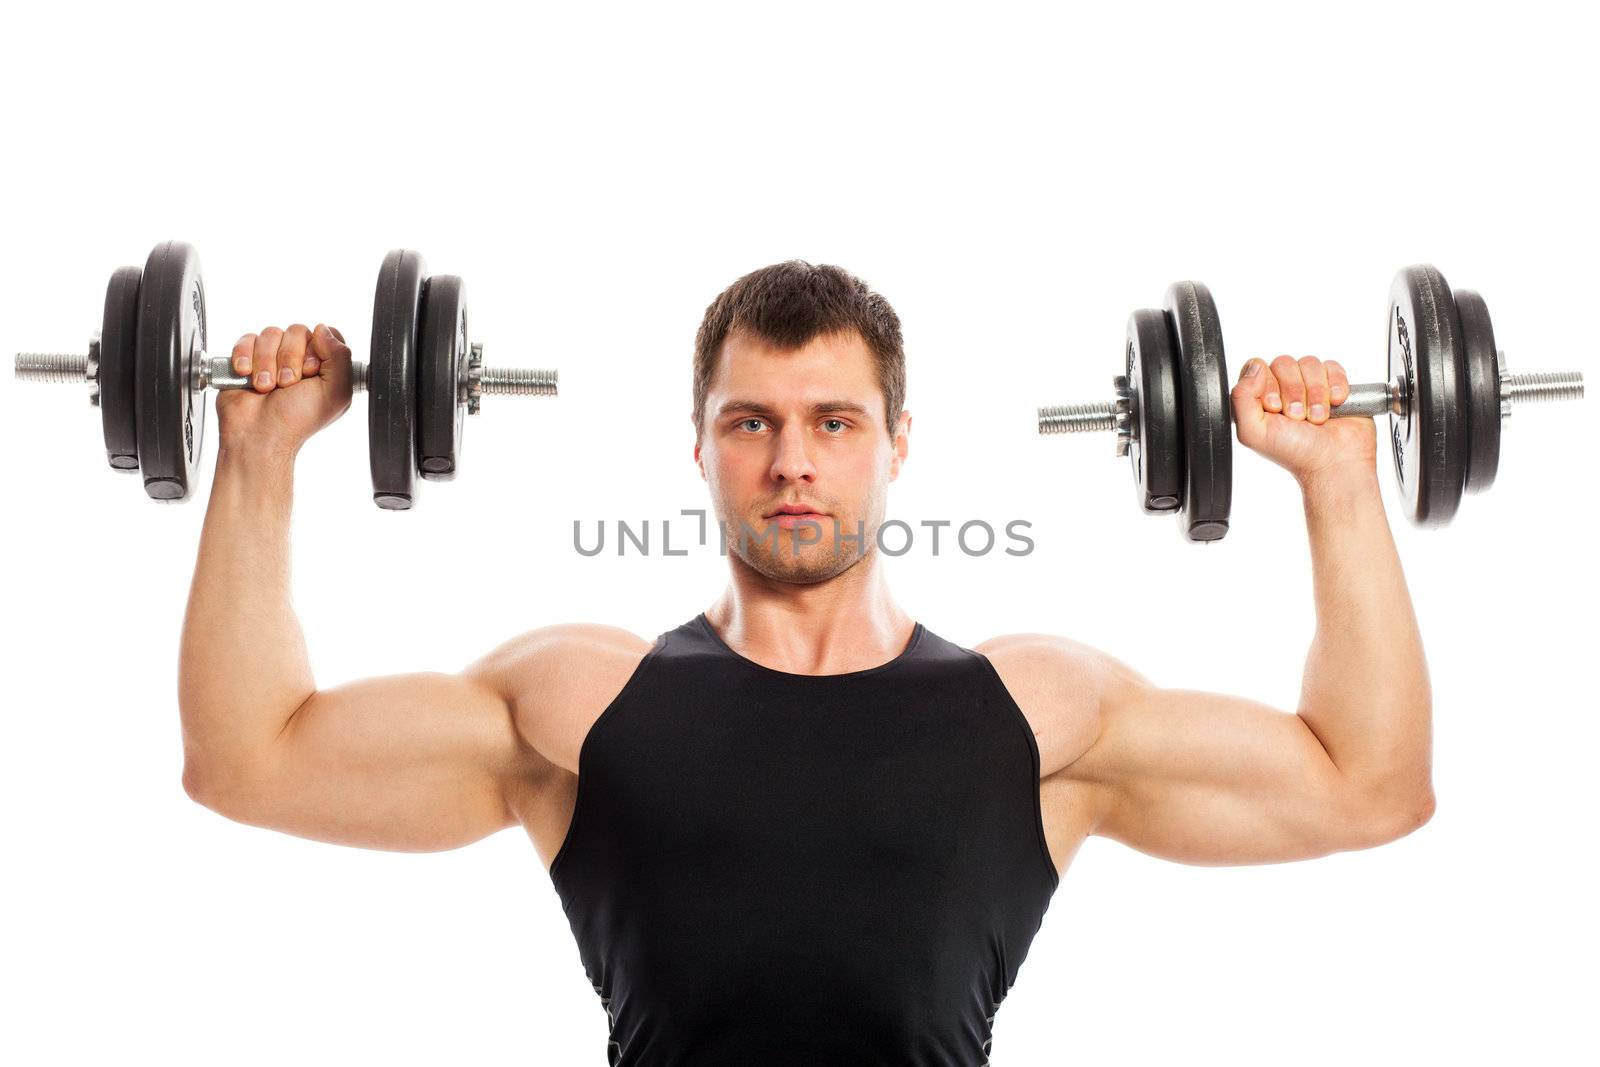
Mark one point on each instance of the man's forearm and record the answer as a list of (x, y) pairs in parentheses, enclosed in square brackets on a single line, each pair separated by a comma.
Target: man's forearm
[(1365, 691), (242, 663)]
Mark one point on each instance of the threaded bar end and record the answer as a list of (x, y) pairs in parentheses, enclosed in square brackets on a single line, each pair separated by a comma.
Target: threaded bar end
[(518, 381), (1536, 386), (56, 367), (1077, 418)]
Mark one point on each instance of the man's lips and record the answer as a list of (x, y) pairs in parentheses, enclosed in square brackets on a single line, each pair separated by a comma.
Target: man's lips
[(790, 516), (787, 521)]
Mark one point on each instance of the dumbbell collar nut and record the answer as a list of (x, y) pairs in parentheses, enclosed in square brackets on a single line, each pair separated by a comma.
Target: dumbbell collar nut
[(1122, 413), (474, 377)]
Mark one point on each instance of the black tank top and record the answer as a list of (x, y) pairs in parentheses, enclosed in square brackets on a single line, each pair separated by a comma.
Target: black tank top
[(773, 868)]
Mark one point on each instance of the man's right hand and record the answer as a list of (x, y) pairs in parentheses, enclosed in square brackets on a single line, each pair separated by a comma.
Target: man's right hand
[(299, 383)]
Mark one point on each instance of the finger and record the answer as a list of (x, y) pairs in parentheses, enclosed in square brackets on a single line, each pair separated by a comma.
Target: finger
[(1248, 413), (292, 354), (1338, 384), (266, 358), (1316, 379), (1272, 397), (242, 349), (1291, 387)]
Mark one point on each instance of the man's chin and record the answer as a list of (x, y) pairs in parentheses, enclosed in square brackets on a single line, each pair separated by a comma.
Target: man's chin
[(810, 566)]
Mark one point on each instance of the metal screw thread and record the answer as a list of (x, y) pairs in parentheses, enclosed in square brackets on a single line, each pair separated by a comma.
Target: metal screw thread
[(1560, 385), (1077, 418), (518, 381), (52, 367)]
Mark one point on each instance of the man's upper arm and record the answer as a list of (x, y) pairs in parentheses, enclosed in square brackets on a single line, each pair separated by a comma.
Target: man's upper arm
[(1210, 779), (414, 762)]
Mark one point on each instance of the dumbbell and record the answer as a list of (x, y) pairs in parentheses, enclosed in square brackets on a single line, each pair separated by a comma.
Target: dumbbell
[(1446, 394), (147, 370)]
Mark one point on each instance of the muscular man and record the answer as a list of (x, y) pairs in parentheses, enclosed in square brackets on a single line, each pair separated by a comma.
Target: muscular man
[(802, 827)]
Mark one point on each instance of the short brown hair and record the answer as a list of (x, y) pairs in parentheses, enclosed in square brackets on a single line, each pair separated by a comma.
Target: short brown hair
[(789, 304)]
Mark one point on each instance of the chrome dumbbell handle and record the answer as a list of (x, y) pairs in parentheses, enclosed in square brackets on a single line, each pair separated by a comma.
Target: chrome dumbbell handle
[(216, 372), (1372, 400)]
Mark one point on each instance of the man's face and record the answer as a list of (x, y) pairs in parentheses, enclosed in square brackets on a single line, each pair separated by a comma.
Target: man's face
[(802, 426)]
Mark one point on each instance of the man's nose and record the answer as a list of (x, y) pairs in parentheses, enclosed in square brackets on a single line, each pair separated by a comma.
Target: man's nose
[(792, 461)]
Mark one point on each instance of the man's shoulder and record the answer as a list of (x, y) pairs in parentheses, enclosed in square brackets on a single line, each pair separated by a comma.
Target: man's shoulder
[(1057, 683), (560, 656), (1047, 659), (558, 678)]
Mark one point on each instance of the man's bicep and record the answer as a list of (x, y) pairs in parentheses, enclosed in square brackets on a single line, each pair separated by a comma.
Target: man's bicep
[(411, 763), (1210, 779)]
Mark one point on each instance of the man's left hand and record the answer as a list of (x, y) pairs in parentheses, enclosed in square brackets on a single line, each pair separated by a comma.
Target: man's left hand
[(1282, 411)]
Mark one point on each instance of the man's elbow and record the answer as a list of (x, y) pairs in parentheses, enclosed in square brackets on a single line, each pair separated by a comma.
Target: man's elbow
[(214, 789), (1396, 818), (200, 786)]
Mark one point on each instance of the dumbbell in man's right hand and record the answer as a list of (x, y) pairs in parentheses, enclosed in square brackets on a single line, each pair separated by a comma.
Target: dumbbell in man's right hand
[(300, 382)]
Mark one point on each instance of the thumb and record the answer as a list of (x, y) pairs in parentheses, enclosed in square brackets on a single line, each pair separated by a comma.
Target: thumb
[(327, 344), (1249, 414), (329, 347)]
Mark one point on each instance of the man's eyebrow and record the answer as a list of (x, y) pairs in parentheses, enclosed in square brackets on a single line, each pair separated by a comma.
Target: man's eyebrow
[(821, 407)]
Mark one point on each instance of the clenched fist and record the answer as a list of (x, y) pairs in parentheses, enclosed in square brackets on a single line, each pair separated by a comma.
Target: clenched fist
[(299, 383), (1282, 412)]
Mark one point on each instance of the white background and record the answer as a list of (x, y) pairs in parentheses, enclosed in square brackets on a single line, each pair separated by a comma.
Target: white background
[(1015, 181)]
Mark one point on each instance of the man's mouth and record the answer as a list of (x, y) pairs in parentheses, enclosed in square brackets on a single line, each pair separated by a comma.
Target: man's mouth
[(789, 516)]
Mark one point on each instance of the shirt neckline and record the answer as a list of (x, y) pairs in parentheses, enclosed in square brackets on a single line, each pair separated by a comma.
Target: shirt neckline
[(904, 654)]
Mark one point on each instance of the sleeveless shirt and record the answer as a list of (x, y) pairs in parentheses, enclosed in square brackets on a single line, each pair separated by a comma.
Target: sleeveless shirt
[(774, 868)]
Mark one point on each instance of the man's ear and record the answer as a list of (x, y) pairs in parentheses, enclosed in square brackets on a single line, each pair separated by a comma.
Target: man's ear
[(697, 461), (901, 444)]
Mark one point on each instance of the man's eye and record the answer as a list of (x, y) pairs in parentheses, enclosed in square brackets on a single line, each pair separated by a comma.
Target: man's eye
[(747, 422), (835, 422)]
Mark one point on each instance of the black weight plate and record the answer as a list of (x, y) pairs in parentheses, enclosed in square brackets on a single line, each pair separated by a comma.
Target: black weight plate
[(1482, 380), (1205, 411), (119, 332), (169, 410), (392, 379), (1429, 444), (441, 398), (1156, 447)]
